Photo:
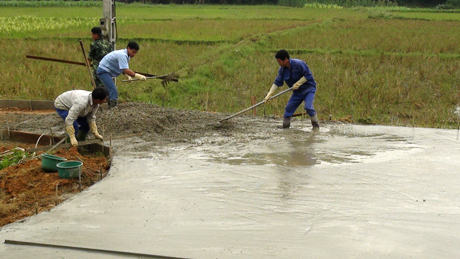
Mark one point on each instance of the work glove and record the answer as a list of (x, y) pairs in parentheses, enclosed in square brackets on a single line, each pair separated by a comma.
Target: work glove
[(271, 92), (140, 77), (129, 78), (71, 131), (301, 81), (93, 128)]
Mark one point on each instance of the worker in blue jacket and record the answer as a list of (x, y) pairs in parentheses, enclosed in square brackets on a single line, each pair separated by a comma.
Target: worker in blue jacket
[(298, 76)]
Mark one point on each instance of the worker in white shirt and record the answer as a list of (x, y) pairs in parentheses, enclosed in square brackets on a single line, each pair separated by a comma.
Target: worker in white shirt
[(78, 109)]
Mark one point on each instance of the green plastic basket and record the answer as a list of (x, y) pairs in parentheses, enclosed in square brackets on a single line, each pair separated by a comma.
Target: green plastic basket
[(49, 162), (69, 169)]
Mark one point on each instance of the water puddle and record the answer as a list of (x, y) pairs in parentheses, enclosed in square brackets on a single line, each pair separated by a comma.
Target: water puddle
[(336, 145)]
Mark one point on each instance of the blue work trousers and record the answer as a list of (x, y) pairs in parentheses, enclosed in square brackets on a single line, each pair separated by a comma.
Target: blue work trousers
[(107, 80), (296, 99), (81, 123)]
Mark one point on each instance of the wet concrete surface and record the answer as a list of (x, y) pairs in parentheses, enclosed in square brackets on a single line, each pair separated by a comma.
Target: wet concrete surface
[(348, 191)]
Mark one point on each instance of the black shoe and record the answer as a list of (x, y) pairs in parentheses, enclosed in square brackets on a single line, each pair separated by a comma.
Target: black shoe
[(286, 122), (315, 125), (81, 135), (112, 103)]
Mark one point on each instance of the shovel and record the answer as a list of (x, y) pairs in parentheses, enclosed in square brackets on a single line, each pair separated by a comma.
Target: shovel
[(166, 78), (255, 105)]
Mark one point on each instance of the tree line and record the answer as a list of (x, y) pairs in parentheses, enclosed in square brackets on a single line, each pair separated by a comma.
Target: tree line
[(408, 3), (440, 4)]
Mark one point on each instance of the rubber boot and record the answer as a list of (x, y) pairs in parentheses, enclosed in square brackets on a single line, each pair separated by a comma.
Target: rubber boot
[(112, 103), (81, 135), (286, 122), (315, 123)]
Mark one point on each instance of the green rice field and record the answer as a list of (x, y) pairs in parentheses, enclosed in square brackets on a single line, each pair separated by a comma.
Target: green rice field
[(389, 66)]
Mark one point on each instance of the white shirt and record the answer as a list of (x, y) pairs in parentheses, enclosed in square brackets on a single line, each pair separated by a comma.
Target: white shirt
[(115, 62), (79, 103)]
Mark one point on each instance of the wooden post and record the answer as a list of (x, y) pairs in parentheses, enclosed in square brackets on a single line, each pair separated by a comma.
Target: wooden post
[(79, 177), (56, 201), (87, 64), (110, 149), (207, 98), (253, 102)]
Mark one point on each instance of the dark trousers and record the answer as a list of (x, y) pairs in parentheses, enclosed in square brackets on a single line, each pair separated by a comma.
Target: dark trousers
[(107, 80), (81, 123), (295, 101)]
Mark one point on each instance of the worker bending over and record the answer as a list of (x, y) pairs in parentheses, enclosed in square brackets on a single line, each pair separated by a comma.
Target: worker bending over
[(78, 109), (298, 76)]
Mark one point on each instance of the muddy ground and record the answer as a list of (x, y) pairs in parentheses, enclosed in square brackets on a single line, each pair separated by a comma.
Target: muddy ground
[(159, 125), (145, 126)]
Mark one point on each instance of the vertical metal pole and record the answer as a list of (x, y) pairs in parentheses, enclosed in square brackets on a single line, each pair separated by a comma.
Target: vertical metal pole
[(110, 21), (109, 15)]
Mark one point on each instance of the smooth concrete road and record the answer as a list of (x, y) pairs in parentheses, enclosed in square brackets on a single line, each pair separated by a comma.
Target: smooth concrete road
[(346, 192)]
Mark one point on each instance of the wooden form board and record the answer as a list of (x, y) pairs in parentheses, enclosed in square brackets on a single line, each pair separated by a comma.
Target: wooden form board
[(46, 142), (27, 137), (32, 104), (27, 104)]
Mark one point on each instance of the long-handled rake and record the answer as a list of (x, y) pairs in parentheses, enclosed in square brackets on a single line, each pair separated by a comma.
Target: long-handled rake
[(166, 78), (255, 105), (84, 64)]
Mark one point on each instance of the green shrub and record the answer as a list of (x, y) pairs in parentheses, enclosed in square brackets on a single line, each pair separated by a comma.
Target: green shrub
[(449, 4), (16, 156), (292, 3), (455, 3), (354, 3), (323, 6), (50, 3)]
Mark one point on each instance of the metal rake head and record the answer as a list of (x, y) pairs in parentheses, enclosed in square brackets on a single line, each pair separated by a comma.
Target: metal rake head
[(168, 79)]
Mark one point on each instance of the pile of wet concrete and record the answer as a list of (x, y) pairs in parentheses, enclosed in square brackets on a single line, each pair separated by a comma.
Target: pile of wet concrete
[(138, 119), (154, 125)]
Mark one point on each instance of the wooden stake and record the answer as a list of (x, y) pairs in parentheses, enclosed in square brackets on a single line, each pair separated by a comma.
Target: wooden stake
[(253, 102), (79, 178), (56, 200), (110, 149), (207, 98), (87, 64), (36, 208)]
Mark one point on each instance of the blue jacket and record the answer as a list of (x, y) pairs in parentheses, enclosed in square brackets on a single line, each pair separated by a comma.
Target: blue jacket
[(298, 69)]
